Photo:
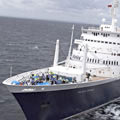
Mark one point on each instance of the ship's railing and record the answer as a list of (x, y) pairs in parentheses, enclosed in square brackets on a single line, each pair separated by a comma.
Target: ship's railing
[(94, 28), (91, 28), (25, 75), (42, 77)]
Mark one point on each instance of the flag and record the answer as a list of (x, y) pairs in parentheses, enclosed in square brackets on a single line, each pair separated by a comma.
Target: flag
[(109, 6)]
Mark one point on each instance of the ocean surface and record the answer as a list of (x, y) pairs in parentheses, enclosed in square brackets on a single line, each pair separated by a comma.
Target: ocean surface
[(29, 44)]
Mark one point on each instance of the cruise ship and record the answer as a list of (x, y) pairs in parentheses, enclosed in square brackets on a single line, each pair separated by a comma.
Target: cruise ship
[(88, 78)]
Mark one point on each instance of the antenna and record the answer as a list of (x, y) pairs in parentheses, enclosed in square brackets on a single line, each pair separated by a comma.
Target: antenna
[(11, 71), (84, 58), (70, 49), (56, 57), (114, 7)]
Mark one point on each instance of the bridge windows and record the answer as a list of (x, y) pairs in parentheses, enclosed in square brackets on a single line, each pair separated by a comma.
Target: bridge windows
[(95, 33), (105, 34)]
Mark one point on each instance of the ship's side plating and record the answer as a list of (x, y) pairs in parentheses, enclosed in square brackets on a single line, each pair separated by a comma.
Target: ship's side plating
[(59, 104)]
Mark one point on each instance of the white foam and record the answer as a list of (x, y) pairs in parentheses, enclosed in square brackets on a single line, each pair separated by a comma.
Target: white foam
[(35, 47)]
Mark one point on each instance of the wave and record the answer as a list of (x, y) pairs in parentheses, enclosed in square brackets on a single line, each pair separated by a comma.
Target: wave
[(35, 48)]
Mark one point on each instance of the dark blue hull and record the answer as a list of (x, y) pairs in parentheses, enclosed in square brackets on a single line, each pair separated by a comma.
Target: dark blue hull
[(57, 105)]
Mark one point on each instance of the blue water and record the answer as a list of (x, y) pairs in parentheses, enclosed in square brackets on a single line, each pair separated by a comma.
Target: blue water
[(29, 44)]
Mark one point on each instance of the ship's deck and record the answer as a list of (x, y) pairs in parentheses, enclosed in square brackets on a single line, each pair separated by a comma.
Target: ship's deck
[(55, 79), (42, 77), (95, 78)]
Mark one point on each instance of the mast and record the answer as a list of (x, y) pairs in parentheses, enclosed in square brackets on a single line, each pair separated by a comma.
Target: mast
[(114, 7), (55, 63), (11, 71), (84, 60), (70, 48)]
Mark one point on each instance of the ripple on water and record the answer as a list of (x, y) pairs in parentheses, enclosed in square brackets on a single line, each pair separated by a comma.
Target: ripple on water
[(2, 101)]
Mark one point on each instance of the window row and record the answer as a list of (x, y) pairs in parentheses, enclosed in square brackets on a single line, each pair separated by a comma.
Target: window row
[(106, 42), (113, 54), (105, 62), (103, 34), (93, 60)]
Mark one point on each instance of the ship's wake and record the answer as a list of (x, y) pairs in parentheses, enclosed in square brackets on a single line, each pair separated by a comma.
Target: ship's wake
[(108, 112)]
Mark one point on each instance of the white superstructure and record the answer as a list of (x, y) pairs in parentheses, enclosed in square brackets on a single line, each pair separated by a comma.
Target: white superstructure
[(103, 52)]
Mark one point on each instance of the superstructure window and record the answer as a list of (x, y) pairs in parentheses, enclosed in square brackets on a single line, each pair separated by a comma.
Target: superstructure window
[(118, 35), (76, 57), (98, 61), (107, 62), (105, 34), (95, 33), (93, 60)]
